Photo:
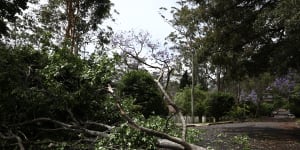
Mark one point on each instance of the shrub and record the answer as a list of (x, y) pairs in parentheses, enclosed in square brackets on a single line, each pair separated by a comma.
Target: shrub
[(295, 106), (295, 101), (266, 109), (141, 87), (183, 100), (219, 104), (239, 112)]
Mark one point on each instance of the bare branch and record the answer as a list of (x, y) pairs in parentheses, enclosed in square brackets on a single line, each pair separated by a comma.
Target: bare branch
[(141, 61)]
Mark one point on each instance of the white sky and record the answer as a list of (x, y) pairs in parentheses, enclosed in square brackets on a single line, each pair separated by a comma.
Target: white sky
[(142, 15)]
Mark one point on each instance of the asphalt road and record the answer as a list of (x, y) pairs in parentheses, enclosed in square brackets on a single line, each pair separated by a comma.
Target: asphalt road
[(262, 136)]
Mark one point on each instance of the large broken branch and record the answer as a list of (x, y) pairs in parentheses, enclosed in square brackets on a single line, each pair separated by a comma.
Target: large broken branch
[(141, 61), (12, 136), (66, 126), (98, 124), (167, 96), (148, 131), (172, 104)]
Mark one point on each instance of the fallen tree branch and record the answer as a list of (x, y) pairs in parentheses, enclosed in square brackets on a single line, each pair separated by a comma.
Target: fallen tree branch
[(172, 104), (98, 124), (163, 89), (72, 116), (13, 136), (148, 131), (66, 126), (141, 61)]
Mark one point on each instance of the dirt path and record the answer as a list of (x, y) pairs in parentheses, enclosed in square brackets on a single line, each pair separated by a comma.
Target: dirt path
[(262, 136)]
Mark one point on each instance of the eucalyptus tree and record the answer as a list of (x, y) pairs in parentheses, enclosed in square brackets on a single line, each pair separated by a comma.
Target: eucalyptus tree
[(69, 23), (251, 35), (242, 38), (8, 10), (187, 38), (72, 21)]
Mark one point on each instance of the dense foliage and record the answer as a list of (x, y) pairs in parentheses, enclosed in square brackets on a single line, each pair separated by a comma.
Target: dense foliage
[(219, 104), (183, 100), (141, 87), (59, 86), (8, 10)]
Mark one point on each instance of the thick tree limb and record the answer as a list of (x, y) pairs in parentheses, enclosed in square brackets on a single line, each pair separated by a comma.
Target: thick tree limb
[(88, 122), (141, 61), (66, 126), (72, 116), (167, 96), (171, 103), (98, 124), (11, 137), (132, 124)]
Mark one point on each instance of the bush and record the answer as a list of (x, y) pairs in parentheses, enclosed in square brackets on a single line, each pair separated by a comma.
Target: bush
[(266, 109), (141, 87), (219, 104), (295, 106), (183, 100), (239, 112), (252, 108), (295, 101)]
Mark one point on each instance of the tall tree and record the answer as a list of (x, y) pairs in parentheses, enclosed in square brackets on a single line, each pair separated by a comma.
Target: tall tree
[(76, 22), (8, 10), (240, 38), (250, 35), (186, 37)]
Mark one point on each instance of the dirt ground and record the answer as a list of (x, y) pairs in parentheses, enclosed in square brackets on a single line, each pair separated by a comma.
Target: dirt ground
[(266, 135)]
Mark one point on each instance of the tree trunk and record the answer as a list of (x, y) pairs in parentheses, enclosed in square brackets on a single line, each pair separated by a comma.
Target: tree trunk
[(193, 87), (71, 7), (218, 78)]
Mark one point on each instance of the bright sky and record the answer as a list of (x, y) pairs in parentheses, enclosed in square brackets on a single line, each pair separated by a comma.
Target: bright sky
[(142, 15)]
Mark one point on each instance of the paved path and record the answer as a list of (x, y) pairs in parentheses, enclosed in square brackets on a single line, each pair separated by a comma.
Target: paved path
[(263, 135)]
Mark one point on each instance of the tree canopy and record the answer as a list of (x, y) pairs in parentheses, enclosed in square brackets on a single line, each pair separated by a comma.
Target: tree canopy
[(141, 87), (8, 10), (241, 37)]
